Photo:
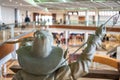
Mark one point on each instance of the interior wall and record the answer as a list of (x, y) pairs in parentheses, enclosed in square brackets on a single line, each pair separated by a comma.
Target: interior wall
[(103, 19), (31, 15), (74, 19), (7, 15), (0, 15), (58, 17), (91, 19), (22, 15), (81, 19)]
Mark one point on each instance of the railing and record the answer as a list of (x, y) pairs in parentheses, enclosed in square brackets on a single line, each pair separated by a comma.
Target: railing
[(14, 31), (88, 23)]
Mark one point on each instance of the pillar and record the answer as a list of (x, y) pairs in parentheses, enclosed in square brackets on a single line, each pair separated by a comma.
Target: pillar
[(87, 18), (85, 36), (5, 69), (54, 18), (96, 18), (66, 19), (0, 72), (0, 16), (4, 35), (16, 17), (118, 51), (12, 30), (14, 54), (26, 13), (66, 38)]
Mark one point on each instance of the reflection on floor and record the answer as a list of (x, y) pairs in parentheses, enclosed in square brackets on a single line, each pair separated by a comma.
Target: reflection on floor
[(73, 45), (14, 62), (6, 33), (94, 66)]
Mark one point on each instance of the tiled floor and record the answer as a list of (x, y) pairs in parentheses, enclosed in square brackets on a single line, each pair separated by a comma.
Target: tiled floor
[(72, 49), (96, 66)]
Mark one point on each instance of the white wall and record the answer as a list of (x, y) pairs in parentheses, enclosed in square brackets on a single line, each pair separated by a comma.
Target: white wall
[(22, 15), (74, 19), (30, 15), (103, 19), (0, 16), (59, 16), (7, 15)]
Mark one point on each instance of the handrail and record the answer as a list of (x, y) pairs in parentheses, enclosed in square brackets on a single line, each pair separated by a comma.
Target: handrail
[(5, 49), (107, 60), (77, 27), (103, 59)]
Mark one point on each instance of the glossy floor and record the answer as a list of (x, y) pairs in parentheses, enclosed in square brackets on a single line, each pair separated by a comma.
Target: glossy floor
[(72, 48), (96, 66)]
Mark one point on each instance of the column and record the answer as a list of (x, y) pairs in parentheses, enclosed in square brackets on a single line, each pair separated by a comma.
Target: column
[(85, 37), (14, 54), (87, 18), (66, 38), (5, 70), (54, 18), (0, 72), (118, 51), (26, 13), (12, 30), (96, 18), (16, 17), (66, 19), (4, 35), (0, 16)]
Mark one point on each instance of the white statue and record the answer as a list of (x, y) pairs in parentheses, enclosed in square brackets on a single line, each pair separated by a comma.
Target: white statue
[(40, 60), (43, 61)]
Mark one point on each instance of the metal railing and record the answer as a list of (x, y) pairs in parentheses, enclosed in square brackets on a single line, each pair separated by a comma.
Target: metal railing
[(13, 31)]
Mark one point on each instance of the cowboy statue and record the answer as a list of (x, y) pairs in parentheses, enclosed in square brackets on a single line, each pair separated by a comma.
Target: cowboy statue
[(40, 60)]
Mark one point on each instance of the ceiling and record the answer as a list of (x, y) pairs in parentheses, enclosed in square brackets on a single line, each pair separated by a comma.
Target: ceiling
[(79, 4), (48, 5), (20, 4)]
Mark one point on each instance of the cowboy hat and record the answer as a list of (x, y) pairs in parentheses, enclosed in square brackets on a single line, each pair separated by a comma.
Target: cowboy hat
[(35, 61)]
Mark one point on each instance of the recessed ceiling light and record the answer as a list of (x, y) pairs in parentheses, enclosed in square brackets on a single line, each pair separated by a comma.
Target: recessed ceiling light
[(64, 0), (3, 4), (46, 9), (16, 2), (98, 0), (21, 4), (70, 13), (10, 0)]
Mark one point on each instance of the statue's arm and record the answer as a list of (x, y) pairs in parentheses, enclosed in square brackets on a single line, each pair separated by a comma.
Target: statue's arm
[(81, 66)]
